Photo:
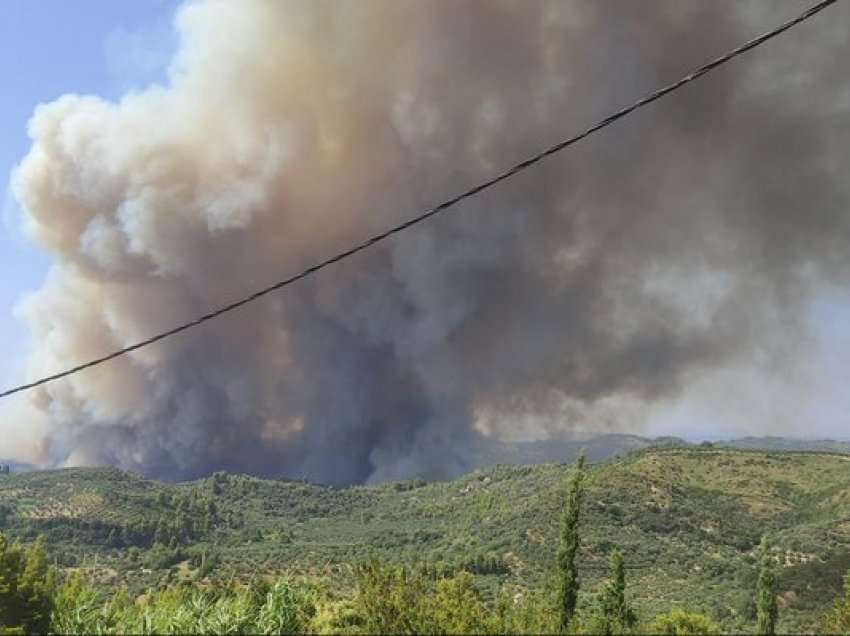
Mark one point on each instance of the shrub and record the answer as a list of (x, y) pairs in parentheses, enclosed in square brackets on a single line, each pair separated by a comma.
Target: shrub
[(281, 608), (26, 587), (679, 621), (838, 620), (397, 601)]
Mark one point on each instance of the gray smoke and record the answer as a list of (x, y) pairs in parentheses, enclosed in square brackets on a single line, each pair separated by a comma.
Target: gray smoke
[(588, 293)]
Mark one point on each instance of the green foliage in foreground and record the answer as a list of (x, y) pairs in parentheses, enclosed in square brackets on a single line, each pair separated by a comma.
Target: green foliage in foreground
[(679, 621), (838, 620), (279, 608), (389, 600), (26, 588)]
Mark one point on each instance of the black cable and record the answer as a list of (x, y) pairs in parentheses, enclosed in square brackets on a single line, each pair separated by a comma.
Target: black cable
[(661, 92)]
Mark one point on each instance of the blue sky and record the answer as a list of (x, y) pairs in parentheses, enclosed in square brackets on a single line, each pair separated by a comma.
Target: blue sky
[(48, 48)]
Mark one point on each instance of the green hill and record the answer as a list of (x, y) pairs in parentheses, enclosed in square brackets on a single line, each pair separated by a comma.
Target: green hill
[(687, 519)]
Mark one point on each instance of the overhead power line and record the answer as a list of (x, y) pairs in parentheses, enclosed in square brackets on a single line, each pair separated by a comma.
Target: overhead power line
[(658, 94)]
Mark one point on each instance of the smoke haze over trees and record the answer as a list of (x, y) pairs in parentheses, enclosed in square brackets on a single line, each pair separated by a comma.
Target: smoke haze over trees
[(671, 260)]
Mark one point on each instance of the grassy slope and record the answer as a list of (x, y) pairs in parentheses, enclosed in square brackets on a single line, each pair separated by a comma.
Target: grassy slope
[(687, 520)]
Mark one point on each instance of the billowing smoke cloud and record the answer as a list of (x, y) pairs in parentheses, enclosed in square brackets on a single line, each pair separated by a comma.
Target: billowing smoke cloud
[(604, 285)]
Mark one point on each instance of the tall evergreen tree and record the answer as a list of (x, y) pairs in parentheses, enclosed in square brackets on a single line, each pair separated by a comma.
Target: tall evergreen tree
[(567, 571), (766, 593), (617, 616)]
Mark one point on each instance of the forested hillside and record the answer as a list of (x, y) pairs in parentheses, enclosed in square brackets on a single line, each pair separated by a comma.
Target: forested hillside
[(688, 522)]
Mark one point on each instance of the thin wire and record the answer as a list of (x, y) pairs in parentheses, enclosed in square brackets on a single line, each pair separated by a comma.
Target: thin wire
[(658, 94)]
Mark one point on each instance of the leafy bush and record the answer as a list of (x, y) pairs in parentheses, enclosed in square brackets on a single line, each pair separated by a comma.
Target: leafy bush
[(678, 621), (398, 601), (389, 600), (26, 587), (161, 557)]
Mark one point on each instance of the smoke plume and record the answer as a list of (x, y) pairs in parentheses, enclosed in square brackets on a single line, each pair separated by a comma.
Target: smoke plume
[(681, 247)]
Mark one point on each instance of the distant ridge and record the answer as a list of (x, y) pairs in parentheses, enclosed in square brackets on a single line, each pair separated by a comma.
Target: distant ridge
[(486, 452), (786, 443)]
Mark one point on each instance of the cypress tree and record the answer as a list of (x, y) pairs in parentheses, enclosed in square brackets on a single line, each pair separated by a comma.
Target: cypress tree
[(766, 593), (568, 573), (617, 616)]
